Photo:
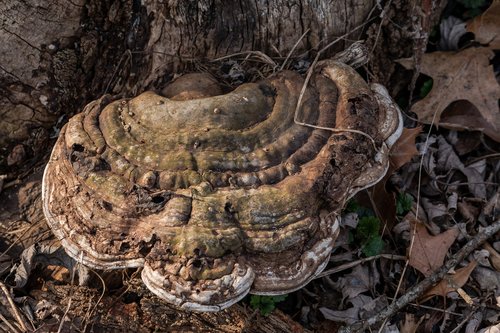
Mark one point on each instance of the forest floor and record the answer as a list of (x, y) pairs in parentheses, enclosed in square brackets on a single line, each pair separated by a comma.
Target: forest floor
[(419, 252)]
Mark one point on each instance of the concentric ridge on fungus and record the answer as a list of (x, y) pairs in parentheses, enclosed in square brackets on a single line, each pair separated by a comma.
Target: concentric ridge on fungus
[(218, 196)]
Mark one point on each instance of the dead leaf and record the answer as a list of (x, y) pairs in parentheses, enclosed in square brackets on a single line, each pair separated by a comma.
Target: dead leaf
[(487, 278), (463, 115), (45, 308), (5, 263), (384, 202), (361, 279), (492, 207), (350, 220), (46, 253), (437, 212), (474, 322), (16, 156), (451, 201), (463, 75), (486, 27), (450, 282), (350, 315), (448, 319), (404, 148), (467, 211), (494, 256), (410, 325), (482, 257), (491, 329), (449, 160), (373, 307), (363, 307), (389, 329), (475, 178), (464, 142), (429, 251), (403, 229)]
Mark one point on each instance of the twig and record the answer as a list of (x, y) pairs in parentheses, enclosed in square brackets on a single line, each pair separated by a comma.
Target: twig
[(15, 310), (293, 49), (127, 55), (419, 187), (463, 322), (415, 292), (8, 324), (70, 300), (432, 308), (306, 82), (264, 57), (484, 157), (358, 262), (19, 239), (304, 87), (88, 314)]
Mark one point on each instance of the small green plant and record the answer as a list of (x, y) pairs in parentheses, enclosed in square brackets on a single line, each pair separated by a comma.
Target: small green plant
[(367, 231), (404, 201), (266, 304), (473, 4), (425, 89), (367, 234), (354, 207), (473, 7)]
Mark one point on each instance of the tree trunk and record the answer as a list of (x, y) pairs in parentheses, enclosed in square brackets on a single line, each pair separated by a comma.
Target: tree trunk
[(56, 56)]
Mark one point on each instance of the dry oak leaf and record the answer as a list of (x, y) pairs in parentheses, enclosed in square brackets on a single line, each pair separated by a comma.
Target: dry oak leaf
[(451, 282), (464, 76), (494, 256), (486, 27), (428, 252), (384, 202), (410, 324), (404, 149)]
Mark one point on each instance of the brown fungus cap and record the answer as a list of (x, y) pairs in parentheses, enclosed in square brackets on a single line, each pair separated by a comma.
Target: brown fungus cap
[(218, 196)]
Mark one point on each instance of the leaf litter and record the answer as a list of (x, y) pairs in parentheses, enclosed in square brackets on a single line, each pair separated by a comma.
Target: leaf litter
[(452, 282), (465, 80), (453, 197), (428, 252), (453, 175)]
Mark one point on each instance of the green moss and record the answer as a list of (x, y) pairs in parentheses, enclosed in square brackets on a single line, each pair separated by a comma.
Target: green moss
[(266, 304), (367, 234)]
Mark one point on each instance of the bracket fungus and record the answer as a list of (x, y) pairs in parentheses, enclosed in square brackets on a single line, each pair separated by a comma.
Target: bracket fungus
[(218, 195)]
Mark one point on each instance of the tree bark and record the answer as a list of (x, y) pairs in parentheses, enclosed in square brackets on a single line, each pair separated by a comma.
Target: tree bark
[(56, 56)]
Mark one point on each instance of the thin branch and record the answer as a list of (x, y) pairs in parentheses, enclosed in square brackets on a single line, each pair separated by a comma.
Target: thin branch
[(464, 321), (293, 49), (72, 291), (88, 314), (264, 57), (415, 292), (358, 262), (445, 311), (6, 321), (304, 88), (15, 310)]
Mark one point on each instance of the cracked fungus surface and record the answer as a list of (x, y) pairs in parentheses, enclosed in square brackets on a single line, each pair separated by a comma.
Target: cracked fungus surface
[(217, 195)]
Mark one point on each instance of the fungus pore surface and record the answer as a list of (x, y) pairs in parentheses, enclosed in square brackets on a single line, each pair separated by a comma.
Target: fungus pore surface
[(217, 195)]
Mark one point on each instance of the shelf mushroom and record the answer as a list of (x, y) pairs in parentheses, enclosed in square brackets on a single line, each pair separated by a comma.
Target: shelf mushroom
[(218, 195)]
